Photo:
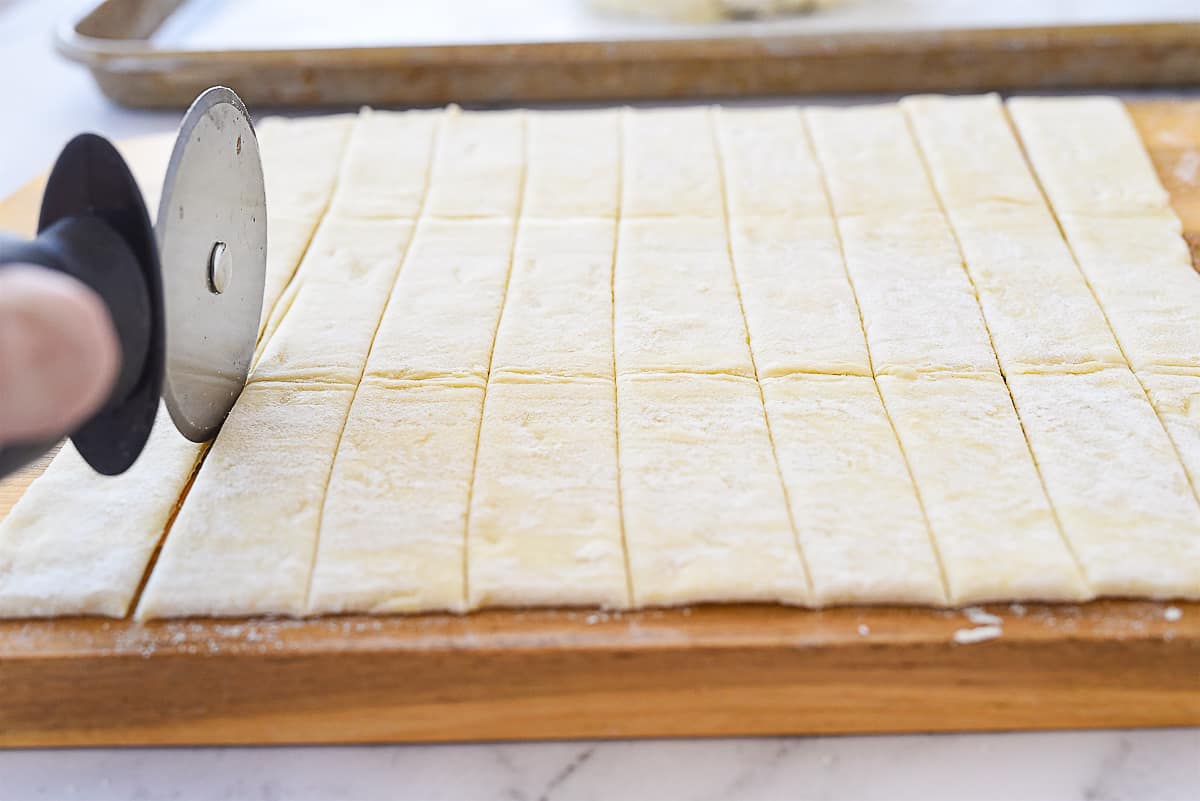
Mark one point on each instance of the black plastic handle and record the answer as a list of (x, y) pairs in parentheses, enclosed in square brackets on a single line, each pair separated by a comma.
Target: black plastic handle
[(89, 250), (94, 227)]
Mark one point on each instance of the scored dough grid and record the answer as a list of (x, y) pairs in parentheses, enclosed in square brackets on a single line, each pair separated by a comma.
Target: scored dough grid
[(769, 470)]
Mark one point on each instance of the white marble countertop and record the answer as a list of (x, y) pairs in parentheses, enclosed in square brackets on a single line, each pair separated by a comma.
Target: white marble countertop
[(56, 100)]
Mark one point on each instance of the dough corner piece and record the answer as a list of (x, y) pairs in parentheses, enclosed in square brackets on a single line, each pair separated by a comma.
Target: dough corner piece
[(67, 549)]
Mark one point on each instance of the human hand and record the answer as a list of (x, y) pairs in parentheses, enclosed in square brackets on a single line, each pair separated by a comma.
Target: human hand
[(59, 353)]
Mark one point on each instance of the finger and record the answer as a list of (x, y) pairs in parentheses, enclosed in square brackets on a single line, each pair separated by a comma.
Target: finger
[(59, 354)]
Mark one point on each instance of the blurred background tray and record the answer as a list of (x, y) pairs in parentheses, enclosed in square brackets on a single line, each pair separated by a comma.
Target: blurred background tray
[(161, 53)]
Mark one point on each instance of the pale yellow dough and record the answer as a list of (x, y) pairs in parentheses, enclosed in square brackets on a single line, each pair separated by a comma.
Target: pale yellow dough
[(301, 159), (865, 149), (574, 164), (652, 357), (387, 165), (800, 309), (1088, 155), (1038, 307), (545, 523), (1115, 481), (244, 539), (994, 529), (1141, 270), (442, 315), (558, 311), (769, 167), (341, 290), (1176, 399), (395, 518), (478, 168), (918, 307), (67, 549), (705, 513), (676, 303), (671, 167), (971, 152), (860, 525)]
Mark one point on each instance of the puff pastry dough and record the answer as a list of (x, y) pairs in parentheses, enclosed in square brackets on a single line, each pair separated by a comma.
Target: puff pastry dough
[(1115, 481), (1142, 272), (574, 164), (441, 318), (918, 306), (769, 168), (629, 358), (342, 287), (865, 148), (479, 165), (386, 168), (244, 539), (676, 303), (1088, 155), (705, 514), (558, 310), (800, 309), (994, 528), (67, 549), (394, 525), (670, 167), (861, 528), (545, 520)]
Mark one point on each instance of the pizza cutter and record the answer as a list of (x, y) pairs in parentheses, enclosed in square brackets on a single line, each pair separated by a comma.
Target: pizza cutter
[(185, 295)]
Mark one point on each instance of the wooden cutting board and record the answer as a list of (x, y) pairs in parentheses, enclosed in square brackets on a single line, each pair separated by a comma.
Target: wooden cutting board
[(713, 670)]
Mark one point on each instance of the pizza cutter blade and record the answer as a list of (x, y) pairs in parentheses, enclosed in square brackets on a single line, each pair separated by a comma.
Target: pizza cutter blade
[(212, 241)]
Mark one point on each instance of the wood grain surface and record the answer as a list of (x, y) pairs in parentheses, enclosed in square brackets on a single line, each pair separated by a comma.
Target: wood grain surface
[(710, 670)]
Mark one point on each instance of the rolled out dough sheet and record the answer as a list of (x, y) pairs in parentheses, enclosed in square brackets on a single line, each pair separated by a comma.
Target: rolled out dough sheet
[(676, 303), (1115, 480), (545, 521), (918, 307), (971, 152), (386, 168), (1038, 307), (670, 166), (342, 287), (705, 514), (860, 525), (67, 549), (1176, 399), (864, 148), (479, 165), (1088, 155), (1142, 272), (244, 539), (441, 318), (301, 159), (993, 526), (574, 164), (769, 167), (395, 516), (800, 308), (1040, 311), (557, 316)]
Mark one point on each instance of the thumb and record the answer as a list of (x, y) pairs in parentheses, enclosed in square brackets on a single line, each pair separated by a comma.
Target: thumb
[(59, 354)]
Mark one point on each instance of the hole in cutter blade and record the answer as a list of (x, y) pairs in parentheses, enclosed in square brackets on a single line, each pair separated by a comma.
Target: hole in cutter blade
[(220, 268)]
